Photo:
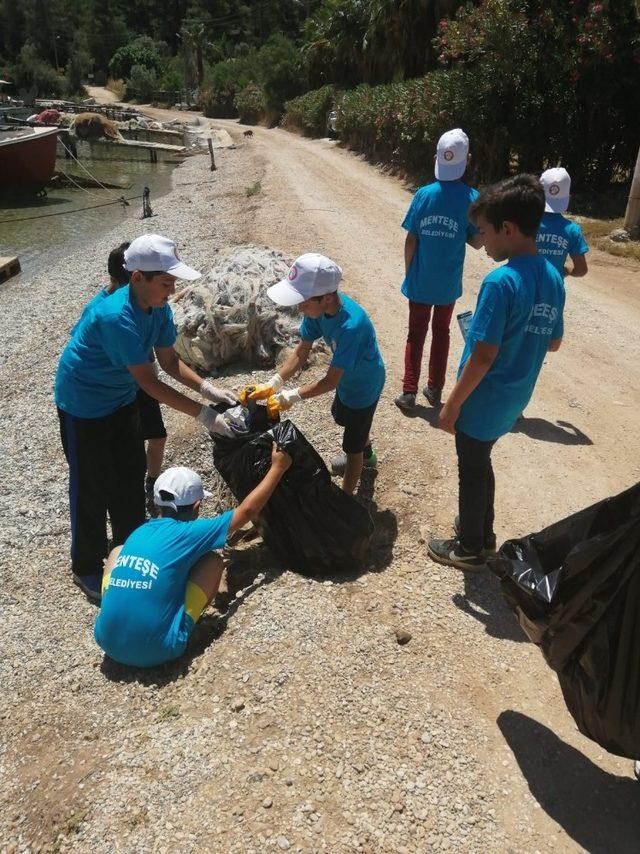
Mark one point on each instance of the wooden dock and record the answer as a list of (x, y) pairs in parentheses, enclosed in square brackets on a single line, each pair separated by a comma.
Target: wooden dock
[(9, 267)]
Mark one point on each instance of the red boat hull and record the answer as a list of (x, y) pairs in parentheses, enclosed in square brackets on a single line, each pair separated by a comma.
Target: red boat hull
[(28, 162)]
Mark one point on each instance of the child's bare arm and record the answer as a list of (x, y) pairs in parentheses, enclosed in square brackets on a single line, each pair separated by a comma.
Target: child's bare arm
[(483, 356)]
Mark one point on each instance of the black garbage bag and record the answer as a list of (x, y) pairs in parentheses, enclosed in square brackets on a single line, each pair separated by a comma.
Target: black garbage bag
[(310, 524), (575, 589)]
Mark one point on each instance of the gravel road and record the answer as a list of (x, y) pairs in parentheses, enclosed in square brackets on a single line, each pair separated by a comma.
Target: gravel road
[(298, 721)]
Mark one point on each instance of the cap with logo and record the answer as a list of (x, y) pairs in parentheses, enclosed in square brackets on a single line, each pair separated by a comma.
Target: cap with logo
[(182, 485), (311, 275), (152, 252), (557, 189), (451, 155)]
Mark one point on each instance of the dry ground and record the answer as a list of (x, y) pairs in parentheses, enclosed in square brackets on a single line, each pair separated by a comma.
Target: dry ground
[(347, 741)]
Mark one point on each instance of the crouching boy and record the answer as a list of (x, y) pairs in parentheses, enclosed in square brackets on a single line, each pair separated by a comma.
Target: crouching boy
[(517, 321), (157, 584)]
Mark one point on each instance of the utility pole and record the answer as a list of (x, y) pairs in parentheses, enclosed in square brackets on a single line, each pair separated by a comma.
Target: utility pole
[(632, 215)]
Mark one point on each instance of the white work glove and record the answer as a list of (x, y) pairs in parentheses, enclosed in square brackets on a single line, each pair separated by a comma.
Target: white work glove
[(286, 399), (216, 394), (215, 423), (276, 382)]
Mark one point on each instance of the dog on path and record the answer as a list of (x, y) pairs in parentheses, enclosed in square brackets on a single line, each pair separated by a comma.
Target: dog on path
[(248, 133)]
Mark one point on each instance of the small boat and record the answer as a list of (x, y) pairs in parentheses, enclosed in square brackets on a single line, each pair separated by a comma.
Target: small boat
[(27, 158)]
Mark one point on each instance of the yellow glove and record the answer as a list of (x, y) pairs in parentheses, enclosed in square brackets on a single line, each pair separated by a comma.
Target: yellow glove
[(263, 392), (273, 409)]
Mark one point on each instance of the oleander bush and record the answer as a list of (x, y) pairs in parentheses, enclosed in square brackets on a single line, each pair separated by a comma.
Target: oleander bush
[(308, 112)]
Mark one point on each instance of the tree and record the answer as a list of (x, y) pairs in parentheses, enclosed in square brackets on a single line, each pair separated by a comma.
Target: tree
[(142, 51)]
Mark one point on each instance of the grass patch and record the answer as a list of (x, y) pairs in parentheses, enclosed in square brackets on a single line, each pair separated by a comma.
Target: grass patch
[(73, 823), (253, 190), (597, 233), (168, 713)]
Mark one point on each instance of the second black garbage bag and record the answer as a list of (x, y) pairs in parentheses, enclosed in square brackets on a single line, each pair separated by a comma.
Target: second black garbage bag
[(310, 524), (575, 588)]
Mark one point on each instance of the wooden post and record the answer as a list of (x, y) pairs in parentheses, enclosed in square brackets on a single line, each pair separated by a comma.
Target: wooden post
[(632, 215), (213, 161)]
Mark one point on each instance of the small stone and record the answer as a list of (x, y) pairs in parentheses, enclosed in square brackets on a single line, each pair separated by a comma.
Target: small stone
[(620, 235), (237, 704), (267, 803), (274, 764), (283, 843), (403, 636)]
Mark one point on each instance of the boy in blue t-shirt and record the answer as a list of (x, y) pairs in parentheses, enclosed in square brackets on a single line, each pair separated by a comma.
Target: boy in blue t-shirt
[(438, 229), (152, 424), (99, 373), (517, 321), (356, 373), (157, 584), (558, 237)]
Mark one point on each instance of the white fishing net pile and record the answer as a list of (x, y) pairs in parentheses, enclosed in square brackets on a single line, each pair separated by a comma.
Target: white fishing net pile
[(226, 316)]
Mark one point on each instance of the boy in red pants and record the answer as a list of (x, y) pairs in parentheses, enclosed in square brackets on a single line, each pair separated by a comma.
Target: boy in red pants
[(438, 229)]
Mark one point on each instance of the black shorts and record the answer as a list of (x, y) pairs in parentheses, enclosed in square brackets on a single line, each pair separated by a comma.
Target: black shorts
[(356, 423), (150, 417)]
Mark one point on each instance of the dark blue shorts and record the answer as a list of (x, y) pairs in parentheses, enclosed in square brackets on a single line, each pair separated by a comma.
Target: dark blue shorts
[(357, 425)]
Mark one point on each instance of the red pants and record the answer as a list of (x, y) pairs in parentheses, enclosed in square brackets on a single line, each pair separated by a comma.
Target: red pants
[(419, 316)]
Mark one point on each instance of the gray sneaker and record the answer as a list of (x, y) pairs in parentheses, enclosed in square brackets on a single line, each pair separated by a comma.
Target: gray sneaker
[(433, 395), (405, 401)]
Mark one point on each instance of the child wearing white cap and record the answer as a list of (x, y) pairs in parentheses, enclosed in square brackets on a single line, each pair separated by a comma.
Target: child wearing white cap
[(157, 584), (99, 373), (438, 229), (356, 373), (559, 237)]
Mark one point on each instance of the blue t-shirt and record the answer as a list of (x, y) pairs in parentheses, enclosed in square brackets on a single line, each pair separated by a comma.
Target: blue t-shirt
[(559, 237), (93, 302), (352, 339), (142, 619), (439, 218), (520, 309), (92, 379)]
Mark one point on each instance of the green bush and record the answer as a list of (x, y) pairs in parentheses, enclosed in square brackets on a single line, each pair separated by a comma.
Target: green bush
[(142, 51), (280, 72), (223, 82), (142, 83), (33, 75), (308, 113), (531, 86), (251, 104)]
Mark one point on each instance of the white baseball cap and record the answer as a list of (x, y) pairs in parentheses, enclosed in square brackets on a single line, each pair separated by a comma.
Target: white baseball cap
[(154, 252), (311, 275), (451, 155), (557, 189), (183, 484)]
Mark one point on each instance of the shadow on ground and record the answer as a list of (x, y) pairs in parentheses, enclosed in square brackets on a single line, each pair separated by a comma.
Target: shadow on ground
[(598, 810), (483, 600), (562, 432)]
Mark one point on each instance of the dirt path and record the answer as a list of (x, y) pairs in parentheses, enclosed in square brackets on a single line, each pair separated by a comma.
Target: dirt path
[(547, 786)]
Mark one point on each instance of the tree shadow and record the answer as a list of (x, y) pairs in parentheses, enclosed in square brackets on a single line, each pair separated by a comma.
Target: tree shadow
[(482, 600), (598, 810), (562, 432)]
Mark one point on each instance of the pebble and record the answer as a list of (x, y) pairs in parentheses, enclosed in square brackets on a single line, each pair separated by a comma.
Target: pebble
[(403, 636)]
